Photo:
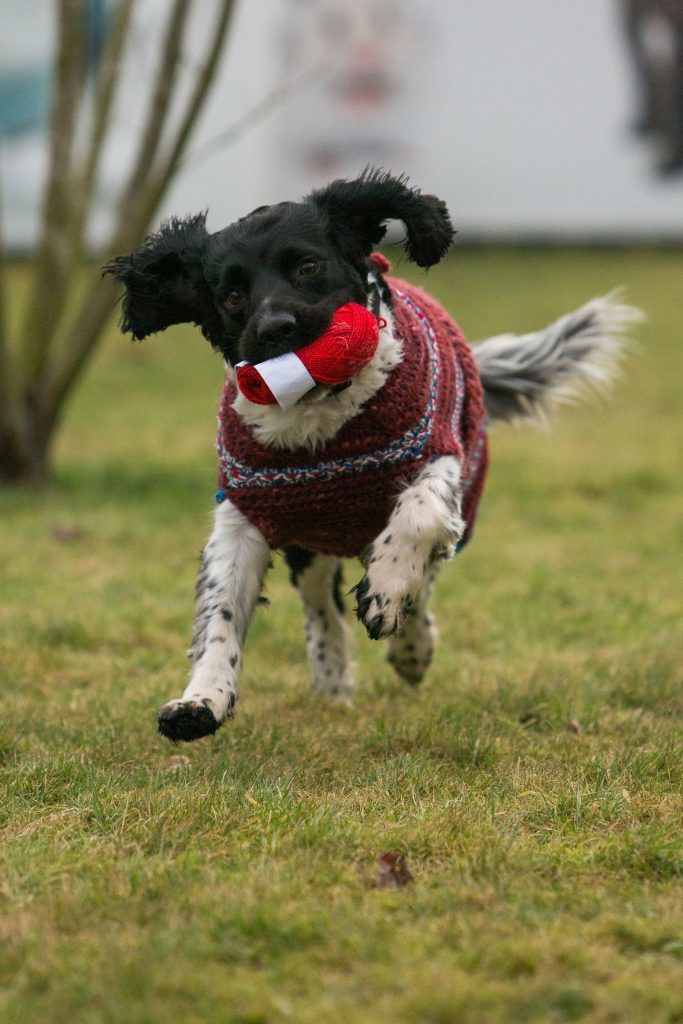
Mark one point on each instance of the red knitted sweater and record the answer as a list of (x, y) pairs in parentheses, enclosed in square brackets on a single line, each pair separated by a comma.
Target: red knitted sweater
[(339, 498)]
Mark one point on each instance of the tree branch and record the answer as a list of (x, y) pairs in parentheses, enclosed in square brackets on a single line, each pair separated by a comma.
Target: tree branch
[(255, 114), (6, 369), (53, 262), (85, 330), (81, 336), (166, 79), (105, 89), (100, 296), (195, 104), (13, 434)]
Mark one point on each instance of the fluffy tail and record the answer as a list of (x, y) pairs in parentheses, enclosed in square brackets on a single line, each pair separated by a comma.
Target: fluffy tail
[(524, 375)]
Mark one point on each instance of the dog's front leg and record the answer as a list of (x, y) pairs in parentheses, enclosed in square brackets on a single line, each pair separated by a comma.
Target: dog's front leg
[(425, 526), (231, 573)]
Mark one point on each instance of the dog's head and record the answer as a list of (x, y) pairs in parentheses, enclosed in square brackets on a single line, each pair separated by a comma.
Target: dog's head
[(270, 282)]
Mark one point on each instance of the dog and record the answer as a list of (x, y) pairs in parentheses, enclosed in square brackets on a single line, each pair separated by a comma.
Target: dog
[(388, 468)]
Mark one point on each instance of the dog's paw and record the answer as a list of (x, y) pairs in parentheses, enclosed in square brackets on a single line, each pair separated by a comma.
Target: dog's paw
[(187, 720), (409, 673), (411, 669), (410, 653), (382, 614)]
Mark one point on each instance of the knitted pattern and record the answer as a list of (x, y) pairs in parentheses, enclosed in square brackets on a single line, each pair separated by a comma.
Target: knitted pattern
[(337, 499)]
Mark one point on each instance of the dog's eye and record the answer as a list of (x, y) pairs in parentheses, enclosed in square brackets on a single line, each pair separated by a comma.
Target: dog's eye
[(308, 267), (234, 297)]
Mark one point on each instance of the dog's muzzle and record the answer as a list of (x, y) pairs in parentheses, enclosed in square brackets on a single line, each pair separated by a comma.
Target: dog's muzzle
[(348, 344)]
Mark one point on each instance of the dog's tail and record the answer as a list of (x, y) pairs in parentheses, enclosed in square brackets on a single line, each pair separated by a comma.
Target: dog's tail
[(525, 375)]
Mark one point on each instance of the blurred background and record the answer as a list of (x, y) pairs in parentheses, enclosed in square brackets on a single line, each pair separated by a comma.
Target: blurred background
[(535, 784), (539, 123), (534, 120)]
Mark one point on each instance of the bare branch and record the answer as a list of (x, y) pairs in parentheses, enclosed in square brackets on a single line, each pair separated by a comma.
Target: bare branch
[(57, 349), (133, 193), (196, 101), (105, 88), (75, 342), (176, 160), (54, 259), (255, 114), (85, 331), (6, 369), (13, 433), (7, 389), (100, 296)]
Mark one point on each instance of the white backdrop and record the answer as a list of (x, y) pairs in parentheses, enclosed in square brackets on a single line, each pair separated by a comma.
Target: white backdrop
[(516, 113)]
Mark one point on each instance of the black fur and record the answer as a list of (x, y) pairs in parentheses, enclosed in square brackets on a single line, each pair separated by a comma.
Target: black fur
[(188, 721), (298, 560), (270, 282), (164, 279), (358, 209), (338, 589)]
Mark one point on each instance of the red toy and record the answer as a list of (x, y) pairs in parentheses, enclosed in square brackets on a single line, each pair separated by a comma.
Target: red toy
[(348, 344)]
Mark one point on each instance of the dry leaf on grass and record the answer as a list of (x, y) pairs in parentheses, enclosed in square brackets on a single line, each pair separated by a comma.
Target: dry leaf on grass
[(529, 717), (177, 762), (392, 871), (64, 534)]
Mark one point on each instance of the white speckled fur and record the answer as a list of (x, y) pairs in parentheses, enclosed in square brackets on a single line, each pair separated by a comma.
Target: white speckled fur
[(424, 528), (233, 565), (410, 651), (326, 633)]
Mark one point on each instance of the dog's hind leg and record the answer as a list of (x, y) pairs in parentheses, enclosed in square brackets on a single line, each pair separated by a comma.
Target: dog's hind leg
[(231, 573), (318, 579), (410, 651)]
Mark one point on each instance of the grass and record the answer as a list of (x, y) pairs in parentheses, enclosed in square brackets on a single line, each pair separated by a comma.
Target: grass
[(547, 861)]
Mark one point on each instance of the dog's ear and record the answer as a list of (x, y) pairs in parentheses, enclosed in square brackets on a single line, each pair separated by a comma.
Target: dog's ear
[(358, 209), (164, 278)]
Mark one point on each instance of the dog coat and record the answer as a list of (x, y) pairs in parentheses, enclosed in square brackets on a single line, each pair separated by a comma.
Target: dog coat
[(337, 499)]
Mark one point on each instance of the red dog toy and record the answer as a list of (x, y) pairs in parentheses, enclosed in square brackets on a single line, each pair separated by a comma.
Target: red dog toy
[(348, 344)]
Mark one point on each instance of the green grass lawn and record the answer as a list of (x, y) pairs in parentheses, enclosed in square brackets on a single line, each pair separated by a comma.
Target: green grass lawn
[(546, 856)]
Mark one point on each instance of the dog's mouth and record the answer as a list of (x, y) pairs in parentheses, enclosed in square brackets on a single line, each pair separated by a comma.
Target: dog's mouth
[(288, 386), (322, 391), (278, 333), (316, 371)]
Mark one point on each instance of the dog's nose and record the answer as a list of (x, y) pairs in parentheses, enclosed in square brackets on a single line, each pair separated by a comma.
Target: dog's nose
[(274, 327)]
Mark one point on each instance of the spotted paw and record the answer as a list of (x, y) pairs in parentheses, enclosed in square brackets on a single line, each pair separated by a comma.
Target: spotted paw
[(409, 667), (381, 614), (411, 651), (187, 720)]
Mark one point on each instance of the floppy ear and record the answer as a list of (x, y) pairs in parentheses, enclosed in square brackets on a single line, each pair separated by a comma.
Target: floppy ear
[(164, 279), (357, 211)]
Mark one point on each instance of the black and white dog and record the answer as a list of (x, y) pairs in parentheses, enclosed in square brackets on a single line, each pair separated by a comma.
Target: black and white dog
[(268, 285)]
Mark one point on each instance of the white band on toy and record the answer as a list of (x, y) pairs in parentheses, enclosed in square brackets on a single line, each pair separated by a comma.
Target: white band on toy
[(287, 378)]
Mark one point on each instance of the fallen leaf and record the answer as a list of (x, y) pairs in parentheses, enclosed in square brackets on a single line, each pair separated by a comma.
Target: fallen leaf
[(177, 762), (392, 871), (64, 534), (529, 717)]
